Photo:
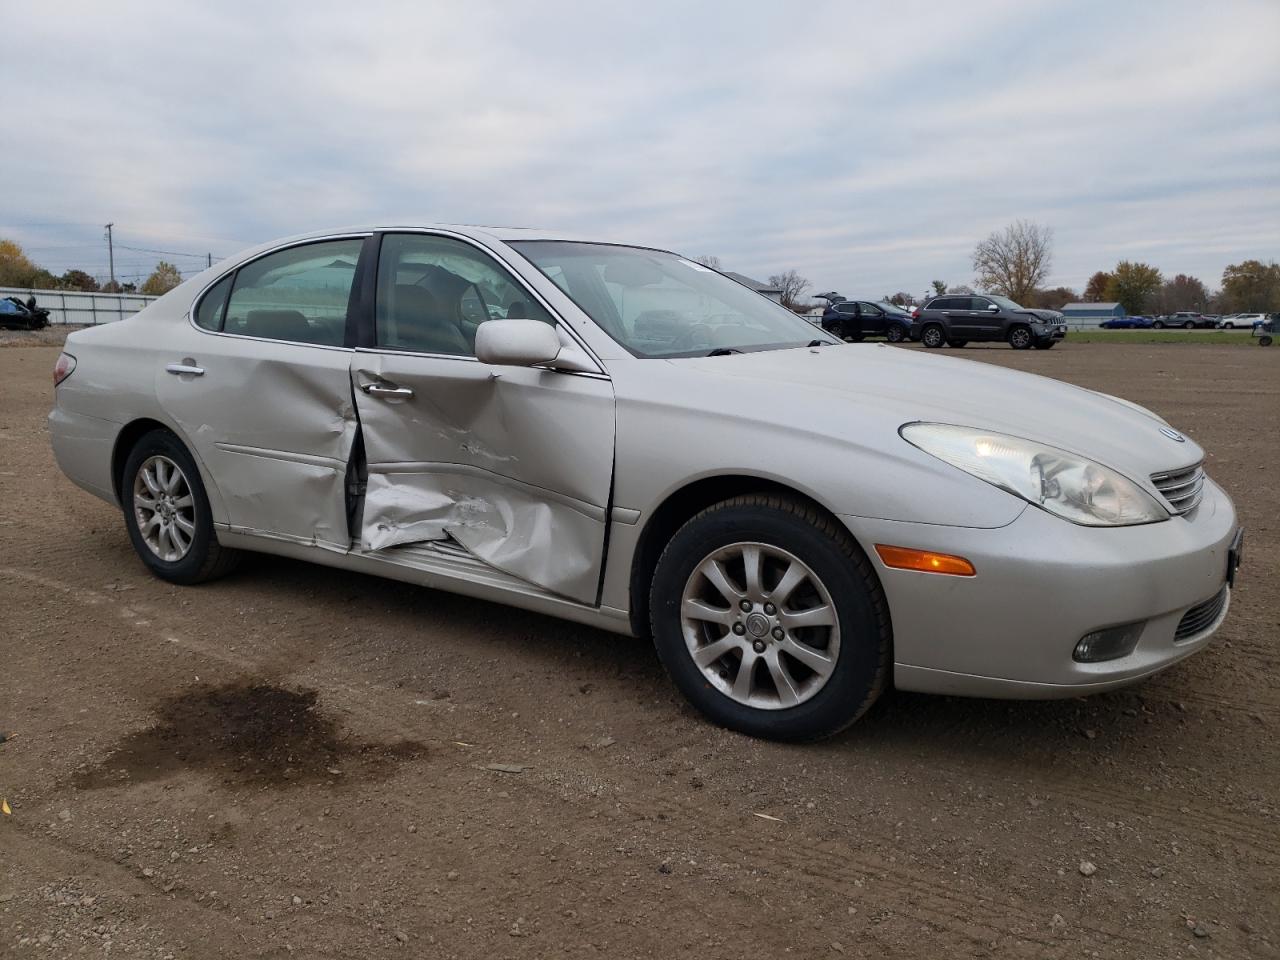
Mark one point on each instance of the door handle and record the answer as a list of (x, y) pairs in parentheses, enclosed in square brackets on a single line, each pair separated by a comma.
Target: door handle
[(386, 390), (178, 369)]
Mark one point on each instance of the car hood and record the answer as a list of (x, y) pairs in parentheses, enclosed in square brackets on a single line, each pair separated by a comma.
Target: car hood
[(873, 386), (1046, 315)]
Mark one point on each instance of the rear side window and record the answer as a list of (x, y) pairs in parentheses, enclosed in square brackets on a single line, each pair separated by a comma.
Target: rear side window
[(945, 303), (300, 294), (213, 308), (848, 309)]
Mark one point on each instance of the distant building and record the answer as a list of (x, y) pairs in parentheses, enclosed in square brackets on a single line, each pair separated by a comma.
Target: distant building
[(773, 293), (1092, 311)]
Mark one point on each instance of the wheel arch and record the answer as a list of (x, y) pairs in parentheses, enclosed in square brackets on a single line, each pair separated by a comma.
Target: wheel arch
[(681, 505), (135, 430)]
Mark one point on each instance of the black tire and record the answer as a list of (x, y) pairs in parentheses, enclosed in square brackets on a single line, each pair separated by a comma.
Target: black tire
[(1020, 337), (1158, 325), (206, 559), (821, 543), (1264, 341), (933, 336), (895, 333), (1228, 325), (957, 343), (1045, 344), (1189, 325)]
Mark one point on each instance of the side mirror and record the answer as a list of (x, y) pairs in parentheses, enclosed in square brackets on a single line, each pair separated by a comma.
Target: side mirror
[(993, 308), (516, 343)]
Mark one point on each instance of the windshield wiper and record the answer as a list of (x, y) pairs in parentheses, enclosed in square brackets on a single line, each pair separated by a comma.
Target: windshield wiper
[(723, 351)]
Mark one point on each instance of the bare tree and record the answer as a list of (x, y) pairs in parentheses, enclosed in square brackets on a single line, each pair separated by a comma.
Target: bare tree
[(1014, 261), (939, 287), (792, 286), (709, 260)]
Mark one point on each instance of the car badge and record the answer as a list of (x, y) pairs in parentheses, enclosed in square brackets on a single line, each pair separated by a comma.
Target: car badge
[(1173, 434)]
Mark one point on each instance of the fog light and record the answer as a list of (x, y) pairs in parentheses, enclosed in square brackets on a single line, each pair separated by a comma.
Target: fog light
[(1108, 644)]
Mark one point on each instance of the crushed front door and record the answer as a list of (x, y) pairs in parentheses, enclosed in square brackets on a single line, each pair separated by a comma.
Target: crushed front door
[(513, 463)]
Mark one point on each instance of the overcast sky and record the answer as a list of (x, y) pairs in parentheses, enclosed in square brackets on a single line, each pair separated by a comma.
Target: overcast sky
[(867, 145)]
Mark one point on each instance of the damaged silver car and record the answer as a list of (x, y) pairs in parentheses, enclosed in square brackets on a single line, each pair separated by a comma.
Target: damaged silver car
[(622, 437)]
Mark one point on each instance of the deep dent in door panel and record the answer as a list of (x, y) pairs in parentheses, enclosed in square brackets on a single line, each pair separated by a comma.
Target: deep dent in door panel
[(521, 513)]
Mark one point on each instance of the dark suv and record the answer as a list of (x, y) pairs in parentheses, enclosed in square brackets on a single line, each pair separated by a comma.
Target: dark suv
[(855, 319), (955, 320), (22, 316)]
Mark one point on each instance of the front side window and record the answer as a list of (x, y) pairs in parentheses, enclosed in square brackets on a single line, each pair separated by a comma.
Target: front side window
[(871, 310), (300, 294), (657, 304), (434, 292), (979, 303)]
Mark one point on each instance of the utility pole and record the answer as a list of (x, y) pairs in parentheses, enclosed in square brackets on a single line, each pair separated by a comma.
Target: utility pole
[(111, 256), (208, 260)]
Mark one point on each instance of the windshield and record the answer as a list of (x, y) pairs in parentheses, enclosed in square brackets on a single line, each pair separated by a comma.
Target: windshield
[(1004, 302), (657, 304)]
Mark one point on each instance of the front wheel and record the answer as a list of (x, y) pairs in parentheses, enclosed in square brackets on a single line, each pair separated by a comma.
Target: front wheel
[(932, 336), (770, 620), (1159, 325), (1045, 344), (1189, 325), (895, 334), (1020, 338), (956, 343), (166, 512), (1228, 325)]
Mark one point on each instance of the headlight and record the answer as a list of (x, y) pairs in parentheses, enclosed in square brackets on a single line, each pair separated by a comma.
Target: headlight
[(1062, 483)]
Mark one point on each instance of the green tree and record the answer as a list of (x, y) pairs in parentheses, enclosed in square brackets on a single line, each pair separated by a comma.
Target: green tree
[(939, 287), (163, 279), (1015, 260), (78, 280), (1251, 287), (1096, 290), (16, 269), (1132, 285)]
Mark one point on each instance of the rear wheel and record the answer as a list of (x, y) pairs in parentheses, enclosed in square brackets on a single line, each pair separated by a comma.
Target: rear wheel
[(770, 620), (1020, 338), (1264, 341), (1189, 325), (167, 512), (895, 333), (1159, 325), (933, 336)]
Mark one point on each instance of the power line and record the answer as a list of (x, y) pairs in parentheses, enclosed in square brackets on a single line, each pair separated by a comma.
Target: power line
[(165, 253)]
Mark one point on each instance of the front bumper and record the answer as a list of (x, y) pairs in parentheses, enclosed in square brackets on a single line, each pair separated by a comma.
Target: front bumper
[(1042, 583)]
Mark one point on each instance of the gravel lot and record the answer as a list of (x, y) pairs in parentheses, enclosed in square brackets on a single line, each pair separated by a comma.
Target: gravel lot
[(300, 761)]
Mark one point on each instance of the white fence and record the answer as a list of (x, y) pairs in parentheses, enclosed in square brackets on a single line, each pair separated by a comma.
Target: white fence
[(72, 306)]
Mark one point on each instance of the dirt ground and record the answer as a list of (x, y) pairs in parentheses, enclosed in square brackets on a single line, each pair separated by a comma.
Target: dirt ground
[(297, 761)]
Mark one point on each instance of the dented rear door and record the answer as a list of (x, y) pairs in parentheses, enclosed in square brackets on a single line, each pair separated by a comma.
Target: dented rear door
[(514, 464), (260, 386)]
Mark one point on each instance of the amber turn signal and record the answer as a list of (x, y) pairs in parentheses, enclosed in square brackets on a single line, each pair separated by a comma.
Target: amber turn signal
[(924, 561)]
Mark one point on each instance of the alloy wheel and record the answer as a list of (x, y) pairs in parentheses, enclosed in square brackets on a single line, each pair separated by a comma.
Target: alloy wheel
[(164, 508), (760, 625), (1020, 338)]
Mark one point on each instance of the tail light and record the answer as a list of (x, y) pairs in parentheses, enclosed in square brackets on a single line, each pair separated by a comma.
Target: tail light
[(65, 366)]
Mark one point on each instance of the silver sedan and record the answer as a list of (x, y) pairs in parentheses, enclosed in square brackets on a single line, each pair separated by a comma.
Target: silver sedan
[(623, 437)]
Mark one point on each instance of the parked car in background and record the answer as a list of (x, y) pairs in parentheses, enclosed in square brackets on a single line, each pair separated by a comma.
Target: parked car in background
[(856, 319), (22, 315), (1187, 319), (956, 320), (795, 522), (1127, 323), (1243, 321)]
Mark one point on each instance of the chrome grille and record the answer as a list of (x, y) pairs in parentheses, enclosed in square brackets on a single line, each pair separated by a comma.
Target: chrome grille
[(1200, 617), (1181, 489)]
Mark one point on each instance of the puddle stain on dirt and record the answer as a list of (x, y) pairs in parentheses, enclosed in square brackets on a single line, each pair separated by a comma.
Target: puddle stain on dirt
[(247, 732)]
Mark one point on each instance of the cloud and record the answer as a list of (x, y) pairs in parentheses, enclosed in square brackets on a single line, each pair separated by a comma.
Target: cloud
[(868, 145)]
